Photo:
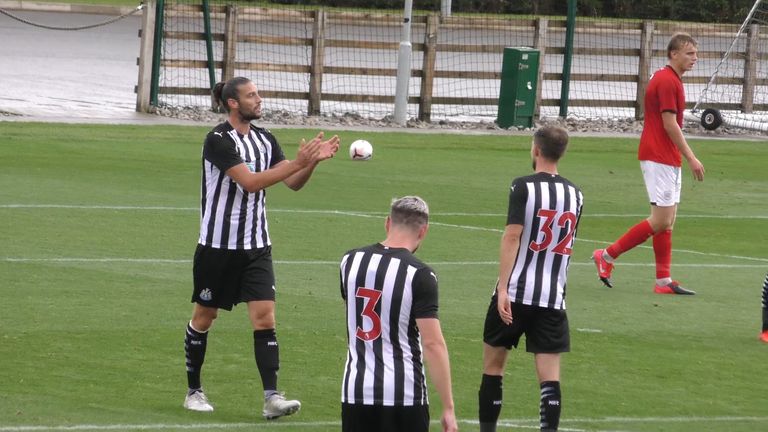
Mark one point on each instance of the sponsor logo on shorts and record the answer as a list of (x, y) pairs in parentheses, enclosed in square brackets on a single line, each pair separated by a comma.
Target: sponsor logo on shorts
[(206, 294)]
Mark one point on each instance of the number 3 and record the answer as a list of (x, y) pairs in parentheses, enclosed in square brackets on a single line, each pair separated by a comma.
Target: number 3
[(370, 298), (567, 219)]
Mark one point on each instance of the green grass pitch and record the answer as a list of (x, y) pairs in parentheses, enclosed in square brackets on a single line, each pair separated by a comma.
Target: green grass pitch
[(99, 224)]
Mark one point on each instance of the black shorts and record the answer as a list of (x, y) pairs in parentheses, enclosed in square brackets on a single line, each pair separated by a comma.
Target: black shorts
[(224, 277), (377, 418), (545, 329)]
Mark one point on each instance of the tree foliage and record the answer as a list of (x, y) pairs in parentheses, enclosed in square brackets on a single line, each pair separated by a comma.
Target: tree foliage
[(714, 11)]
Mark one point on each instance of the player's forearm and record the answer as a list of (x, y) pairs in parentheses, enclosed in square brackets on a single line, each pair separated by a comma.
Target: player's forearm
[(676, 135), (297, 180), (510, 244), (256, 181), (436, 357), (438, 365), (683, 146)]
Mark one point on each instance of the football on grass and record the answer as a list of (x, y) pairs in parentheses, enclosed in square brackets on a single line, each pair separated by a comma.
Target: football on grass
[(360, 150)]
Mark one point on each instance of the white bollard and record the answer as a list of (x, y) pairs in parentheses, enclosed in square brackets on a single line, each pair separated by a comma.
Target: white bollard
[(403, 67), (403, 80), (445, 8)]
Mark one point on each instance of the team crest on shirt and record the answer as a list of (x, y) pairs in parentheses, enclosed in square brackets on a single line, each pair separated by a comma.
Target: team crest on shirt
[(206, 294)]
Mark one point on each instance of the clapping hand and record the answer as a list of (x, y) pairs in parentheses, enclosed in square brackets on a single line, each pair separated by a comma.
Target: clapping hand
[(316, 149)]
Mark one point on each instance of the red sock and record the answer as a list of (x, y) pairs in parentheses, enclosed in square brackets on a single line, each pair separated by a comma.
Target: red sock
[(635, 236), (662, 250)]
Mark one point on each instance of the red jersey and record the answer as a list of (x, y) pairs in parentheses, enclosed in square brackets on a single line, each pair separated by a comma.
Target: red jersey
[(665, 93)]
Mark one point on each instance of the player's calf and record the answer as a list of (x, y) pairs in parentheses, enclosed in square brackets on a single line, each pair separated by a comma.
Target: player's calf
[(550, 405), (489, 398)]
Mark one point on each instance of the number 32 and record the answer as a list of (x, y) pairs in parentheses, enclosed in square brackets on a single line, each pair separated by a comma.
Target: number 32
[(566, 220)]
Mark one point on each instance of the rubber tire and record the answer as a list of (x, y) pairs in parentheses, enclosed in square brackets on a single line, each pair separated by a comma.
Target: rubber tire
[(711, 119)]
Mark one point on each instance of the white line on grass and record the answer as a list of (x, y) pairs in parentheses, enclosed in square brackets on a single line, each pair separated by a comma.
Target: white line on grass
[(616, 215), (681, 419), (516, 426), (373, 214), (351, 212), (581, 239), (94, 207), (588, 330), (320, 262), (518, 423), (161, 426)]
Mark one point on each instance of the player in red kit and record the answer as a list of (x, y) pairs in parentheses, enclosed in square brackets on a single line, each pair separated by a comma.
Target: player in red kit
[(662, 147)]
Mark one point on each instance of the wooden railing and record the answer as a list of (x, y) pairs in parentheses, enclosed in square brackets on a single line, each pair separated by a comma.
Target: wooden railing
[(542, 29)]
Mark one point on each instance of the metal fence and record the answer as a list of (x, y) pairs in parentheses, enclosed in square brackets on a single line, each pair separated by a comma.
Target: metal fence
[(324, 62)]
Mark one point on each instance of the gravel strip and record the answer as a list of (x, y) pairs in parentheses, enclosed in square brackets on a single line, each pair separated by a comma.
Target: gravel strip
[(617, 126)]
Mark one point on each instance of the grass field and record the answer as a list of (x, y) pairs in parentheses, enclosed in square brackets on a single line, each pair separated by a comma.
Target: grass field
[(99, 224)]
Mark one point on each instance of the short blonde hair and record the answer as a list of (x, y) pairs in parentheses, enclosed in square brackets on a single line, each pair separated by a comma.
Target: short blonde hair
[(410, 211), (678, 41)]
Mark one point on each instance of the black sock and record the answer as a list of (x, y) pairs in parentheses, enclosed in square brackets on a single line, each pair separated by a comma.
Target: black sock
[(489, 402), (550, 405), (267, 355), (194, 347), (765, 303)]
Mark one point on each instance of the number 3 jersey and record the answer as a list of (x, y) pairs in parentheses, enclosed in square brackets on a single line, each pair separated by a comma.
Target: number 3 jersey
[(385, 290), (548, 207)]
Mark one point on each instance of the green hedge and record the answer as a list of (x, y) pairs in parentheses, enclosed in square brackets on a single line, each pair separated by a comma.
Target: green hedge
[(716, 11)]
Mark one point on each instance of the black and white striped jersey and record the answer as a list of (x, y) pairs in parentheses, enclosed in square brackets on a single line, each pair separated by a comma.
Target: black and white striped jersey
[(230, 217), (385, 290), (548, 207)]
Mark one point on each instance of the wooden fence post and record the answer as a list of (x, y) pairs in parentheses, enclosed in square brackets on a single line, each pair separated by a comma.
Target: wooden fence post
[(428, 67), (644, 67), (230, 43), (147, 34), (540, 43), (750, 68), (318, 62)]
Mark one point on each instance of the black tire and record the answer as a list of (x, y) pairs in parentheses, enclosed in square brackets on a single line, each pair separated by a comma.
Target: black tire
[(711, 119)]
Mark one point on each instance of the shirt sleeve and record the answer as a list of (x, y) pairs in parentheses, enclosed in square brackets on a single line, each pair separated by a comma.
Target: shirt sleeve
[(220, 152), (666, 93), (425, 293), (342, 267), (518, 195)]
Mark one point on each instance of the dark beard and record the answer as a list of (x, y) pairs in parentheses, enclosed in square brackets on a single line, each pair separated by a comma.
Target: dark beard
[(247, 117), (533, 164)]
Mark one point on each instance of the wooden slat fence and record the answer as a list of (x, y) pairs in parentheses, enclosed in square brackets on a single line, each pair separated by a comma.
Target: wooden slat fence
[(545, 32)]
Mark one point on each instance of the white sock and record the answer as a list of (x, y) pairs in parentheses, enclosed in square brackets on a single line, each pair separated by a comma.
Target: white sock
[(609, 259), (663, 281)]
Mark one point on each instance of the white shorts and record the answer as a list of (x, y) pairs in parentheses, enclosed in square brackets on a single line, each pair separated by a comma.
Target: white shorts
[(662, 182)]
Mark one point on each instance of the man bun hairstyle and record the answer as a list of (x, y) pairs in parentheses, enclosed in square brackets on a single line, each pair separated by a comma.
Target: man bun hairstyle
[(224, 91), (552, 141), (410, 211)]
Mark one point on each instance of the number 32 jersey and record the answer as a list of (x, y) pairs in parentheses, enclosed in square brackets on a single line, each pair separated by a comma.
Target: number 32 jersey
[(385, 290), (548, 207)]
